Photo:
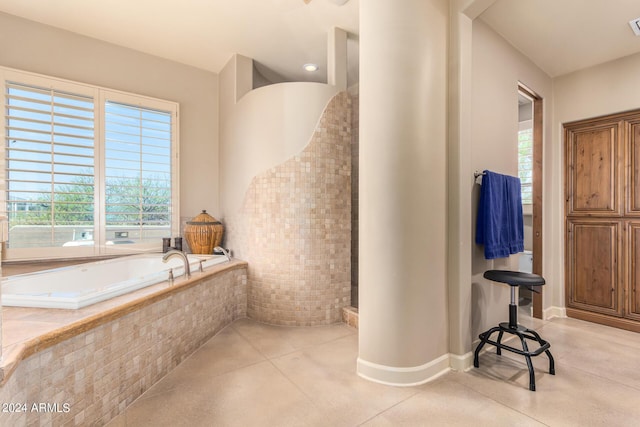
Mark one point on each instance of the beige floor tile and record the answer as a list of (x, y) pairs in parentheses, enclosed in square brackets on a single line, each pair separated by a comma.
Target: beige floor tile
[(571, 398), (574, 328), (253, 374), (600, 350), (273, 341), (580, 327), (513, 368), (257, 395), (327, 375), (610, 354), (445, 402), (225, 352)]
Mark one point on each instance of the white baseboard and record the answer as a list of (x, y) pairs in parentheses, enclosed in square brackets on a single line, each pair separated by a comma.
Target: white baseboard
[(403, 377), (417, 375), (461, 362), (553, 311)]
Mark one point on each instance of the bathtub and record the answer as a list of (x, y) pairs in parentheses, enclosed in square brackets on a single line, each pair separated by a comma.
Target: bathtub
[(81, 285)]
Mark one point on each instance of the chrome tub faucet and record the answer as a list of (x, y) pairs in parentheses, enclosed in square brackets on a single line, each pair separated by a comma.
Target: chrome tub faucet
[(172, 252), (224, 251)]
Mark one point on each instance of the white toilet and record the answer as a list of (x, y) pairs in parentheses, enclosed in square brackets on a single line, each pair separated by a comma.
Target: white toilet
[(526, 262)]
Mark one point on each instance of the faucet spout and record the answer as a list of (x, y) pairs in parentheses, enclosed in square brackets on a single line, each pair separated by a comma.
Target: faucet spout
[(187, 269), (224, 251)]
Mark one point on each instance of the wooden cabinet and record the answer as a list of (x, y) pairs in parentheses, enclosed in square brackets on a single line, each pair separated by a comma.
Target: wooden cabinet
[(602, 242)]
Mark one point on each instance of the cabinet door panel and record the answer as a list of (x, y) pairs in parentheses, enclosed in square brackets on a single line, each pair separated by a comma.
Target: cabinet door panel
[(593, 173), (593, 271), (633, 267), (633, 155)]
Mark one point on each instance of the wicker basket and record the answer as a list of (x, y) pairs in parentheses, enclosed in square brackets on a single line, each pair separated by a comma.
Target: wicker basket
[(203, 233)]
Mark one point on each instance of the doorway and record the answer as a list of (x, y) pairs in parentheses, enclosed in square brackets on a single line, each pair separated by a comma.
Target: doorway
[(530, 171)]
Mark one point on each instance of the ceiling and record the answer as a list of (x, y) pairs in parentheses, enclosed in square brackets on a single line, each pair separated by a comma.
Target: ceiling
[(560, 36), (280, 35)]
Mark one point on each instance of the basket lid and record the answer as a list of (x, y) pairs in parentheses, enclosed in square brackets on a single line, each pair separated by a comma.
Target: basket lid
[(203, 219)]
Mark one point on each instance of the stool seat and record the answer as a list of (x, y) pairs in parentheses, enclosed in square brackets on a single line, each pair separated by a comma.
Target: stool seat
[(514, 278)]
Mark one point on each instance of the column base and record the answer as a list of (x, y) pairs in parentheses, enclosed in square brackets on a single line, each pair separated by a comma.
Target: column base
[(403, 377)]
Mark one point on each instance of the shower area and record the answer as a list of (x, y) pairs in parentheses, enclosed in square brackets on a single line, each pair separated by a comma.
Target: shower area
[(289, 187), (288, 153)]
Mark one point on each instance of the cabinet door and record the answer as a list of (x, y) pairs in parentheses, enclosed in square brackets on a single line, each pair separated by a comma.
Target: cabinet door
[(633, 268), (593, 170), (633, 159), (594, 279)]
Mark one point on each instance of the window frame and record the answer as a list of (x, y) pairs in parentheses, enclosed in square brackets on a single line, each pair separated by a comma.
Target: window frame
[(100, 95)]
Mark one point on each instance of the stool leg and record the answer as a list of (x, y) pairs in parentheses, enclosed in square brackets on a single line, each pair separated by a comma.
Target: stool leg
[(483, 340), (499, 349), (532, 376), (552, 365), (552, 368)]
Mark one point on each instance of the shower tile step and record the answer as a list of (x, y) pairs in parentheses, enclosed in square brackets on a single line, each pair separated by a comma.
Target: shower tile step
[(350, 316)]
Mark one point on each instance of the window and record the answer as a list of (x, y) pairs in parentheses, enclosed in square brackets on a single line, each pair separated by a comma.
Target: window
[(525, 145), (525, 161), (88, 171), (137, 171)]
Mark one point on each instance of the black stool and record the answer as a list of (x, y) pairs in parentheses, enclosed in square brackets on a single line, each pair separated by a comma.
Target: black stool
[(514, 279)]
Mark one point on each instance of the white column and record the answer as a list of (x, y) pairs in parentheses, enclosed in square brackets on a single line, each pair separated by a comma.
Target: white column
[(460, 185), (403, 326)]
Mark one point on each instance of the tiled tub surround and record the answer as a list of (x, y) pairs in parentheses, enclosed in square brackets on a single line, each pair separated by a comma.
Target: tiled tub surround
[(294, 229), (100, 358)]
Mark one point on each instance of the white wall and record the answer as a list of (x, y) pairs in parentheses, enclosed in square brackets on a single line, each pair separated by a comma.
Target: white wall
[(604, 89), (262, 128), (497, 68), (38, 48)]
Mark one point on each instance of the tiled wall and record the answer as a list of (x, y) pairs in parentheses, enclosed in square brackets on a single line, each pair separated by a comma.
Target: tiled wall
[(101, 371), (294, 229), (350, 316)]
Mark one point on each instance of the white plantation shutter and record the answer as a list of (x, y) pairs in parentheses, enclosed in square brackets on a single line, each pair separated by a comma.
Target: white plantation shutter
[(138, 169), (49, 161), (88, 171)]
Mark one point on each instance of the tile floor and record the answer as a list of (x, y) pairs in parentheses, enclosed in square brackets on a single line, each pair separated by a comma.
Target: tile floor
[(252, 374)]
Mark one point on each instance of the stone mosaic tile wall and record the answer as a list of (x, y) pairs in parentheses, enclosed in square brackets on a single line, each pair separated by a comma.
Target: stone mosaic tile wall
[(294, 229), (94, 376), (350, 316)]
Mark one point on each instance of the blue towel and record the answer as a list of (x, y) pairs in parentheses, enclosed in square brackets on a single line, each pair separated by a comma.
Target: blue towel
[(500, 227)]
